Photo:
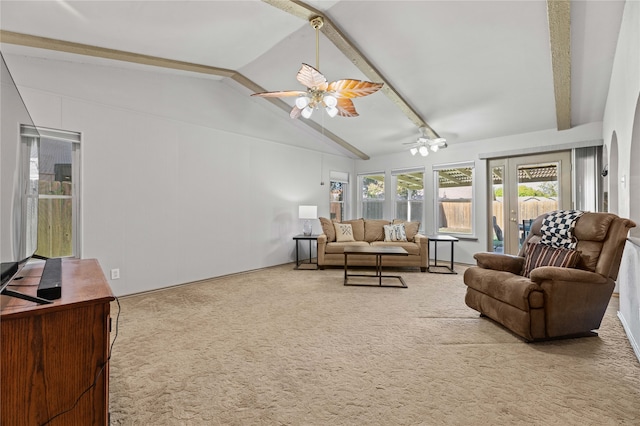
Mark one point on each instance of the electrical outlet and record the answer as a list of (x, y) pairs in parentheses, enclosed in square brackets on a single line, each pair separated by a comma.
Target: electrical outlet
[(115, 274)]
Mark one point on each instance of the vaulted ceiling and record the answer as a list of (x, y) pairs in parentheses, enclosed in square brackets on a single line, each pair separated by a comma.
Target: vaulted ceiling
[(466, 70)]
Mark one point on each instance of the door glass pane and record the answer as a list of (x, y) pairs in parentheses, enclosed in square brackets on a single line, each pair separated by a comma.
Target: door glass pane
[(497, 190), (537, 193), (55, 205)]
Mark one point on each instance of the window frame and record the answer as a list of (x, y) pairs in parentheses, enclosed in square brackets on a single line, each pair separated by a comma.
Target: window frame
[(343, 178), (75, 139), (436, 198), (394, 184), (361, 199)]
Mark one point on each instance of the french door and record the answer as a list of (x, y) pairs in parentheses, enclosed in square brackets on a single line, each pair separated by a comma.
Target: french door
[(521, 189)]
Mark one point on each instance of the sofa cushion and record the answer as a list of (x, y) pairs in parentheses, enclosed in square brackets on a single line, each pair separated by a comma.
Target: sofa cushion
[(328, 229), (506, 287), (411, 247), (374, 229), (344, 232), (338, 248), (357, 225), (395, 232), (410, 228), (543, 255)]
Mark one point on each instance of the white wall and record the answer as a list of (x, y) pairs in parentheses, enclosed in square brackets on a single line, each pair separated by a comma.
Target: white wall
[(544, 140), (166, 197), (621, 115)]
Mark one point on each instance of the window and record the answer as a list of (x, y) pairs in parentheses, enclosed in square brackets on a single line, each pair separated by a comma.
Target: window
[(338, 195), (372, 195), (58, 204), (409, 195), (454, 189)]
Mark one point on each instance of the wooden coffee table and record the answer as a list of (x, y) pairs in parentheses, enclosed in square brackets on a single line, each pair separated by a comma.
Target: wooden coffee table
[(378, 252)]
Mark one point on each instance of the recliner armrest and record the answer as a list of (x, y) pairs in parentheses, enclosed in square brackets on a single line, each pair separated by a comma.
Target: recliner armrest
[(499, 262), (556, 273)]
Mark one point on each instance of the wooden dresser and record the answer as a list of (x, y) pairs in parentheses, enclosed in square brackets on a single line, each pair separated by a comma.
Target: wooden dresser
[(53, 353)]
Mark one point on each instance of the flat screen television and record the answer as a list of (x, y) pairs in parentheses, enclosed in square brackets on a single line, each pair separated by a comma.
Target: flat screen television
[(19, 148)]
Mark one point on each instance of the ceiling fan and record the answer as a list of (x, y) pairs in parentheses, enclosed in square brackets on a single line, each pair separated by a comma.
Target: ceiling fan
[(423, 144), (335, 96)]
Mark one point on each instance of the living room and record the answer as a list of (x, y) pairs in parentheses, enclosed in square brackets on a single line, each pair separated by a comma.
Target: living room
[(163, 153)]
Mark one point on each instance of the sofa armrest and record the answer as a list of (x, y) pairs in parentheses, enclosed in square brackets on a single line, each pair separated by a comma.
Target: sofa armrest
[(423, 245), (499, 262), (322, 245)]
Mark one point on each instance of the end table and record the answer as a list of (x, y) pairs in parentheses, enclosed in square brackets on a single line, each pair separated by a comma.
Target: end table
[(436, 239), (310, 238)]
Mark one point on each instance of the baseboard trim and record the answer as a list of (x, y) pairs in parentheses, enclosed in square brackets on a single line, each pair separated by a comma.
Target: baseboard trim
[(632, 340)]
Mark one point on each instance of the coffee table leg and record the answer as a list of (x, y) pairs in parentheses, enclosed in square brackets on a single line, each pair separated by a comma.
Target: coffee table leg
[(345, 269)]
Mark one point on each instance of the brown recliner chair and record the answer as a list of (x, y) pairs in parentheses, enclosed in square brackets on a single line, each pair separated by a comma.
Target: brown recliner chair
[(554, 301)]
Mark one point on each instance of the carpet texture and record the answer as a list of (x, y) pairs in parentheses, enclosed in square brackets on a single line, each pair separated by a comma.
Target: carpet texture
[(288, 347)]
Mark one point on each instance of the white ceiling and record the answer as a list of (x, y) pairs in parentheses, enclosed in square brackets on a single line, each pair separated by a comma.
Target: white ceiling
[(471, 69)]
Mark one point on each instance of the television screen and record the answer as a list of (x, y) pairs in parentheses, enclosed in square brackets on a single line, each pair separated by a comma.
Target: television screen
[(19, 146)]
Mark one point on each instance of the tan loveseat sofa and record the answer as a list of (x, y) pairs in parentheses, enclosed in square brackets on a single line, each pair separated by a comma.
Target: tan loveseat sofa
[(371, 232), (554, 301)]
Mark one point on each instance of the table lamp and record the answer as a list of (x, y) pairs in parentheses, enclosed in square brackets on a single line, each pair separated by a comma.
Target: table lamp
[(307, 213)]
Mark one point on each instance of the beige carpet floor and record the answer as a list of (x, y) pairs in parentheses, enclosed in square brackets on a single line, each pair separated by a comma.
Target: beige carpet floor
[(288, 347)]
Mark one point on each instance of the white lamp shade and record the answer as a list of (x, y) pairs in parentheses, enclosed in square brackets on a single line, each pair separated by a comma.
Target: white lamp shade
[(423, 151), (330, 100), (306, 112), (308, 212), (332, 111), (435, 148), (302, 102), (413, 150)]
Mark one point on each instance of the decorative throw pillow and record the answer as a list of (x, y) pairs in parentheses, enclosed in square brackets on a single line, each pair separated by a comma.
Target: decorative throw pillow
[(557, 228), (410, 228), (357, 226), (538, 254), (328, 229), (394, 233), (344, 232)]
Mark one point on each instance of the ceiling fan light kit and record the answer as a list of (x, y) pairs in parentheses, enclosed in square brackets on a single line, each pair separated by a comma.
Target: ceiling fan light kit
[(423, 144), (334, 97)]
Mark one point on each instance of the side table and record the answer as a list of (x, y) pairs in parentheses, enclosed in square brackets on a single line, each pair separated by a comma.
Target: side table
[(437, 239), (310, 238)]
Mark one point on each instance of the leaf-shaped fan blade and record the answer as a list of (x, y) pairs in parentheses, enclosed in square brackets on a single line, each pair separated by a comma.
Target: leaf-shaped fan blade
[(295, 112), (311, 77), (346, 108), (353, 88), (283, 94)]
